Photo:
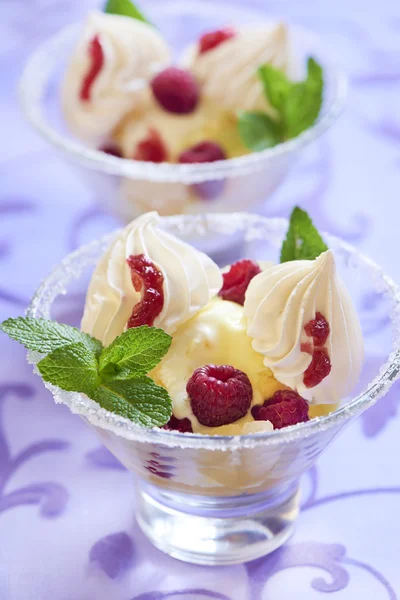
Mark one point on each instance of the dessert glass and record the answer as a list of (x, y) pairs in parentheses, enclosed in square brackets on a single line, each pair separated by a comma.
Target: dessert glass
[(128, 187), (223, 500)]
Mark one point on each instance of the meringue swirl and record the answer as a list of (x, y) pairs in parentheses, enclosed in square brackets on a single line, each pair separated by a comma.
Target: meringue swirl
[(227, 73), (280, 301), (191, 279), (133, 52)]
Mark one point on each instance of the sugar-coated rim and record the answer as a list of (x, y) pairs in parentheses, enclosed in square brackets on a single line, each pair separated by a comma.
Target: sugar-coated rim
[(97, 416), (33, 85)]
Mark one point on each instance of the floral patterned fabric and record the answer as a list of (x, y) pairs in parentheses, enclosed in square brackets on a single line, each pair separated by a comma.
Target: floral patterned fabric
[(67, 527)]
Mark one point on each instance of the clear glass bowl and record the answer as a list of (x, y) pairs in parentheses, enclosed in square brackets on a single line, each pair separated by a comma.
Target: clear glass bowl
[(238, 495), (127, 187)]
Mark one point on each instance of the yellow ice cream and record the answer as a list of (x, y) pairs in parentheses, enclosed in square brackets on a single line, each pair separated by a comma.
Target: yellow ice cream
[(180, 132), (216, 335)]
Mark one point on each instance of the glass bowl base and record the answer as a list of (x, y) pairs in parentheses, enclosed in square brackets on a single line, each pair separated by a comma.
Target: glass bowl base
[(217, 530)]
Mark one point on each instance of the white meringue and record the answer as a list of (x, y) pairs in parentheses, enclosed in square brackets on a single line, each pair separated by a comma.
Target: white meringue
[(227, 73), (133, 52), (191, 279), (281, 300)]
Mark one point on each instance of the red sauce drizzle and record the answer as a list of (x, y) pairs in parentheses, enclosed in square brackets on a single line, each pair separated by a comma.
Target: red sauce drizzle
[(306, 347), (320, 365), (148, 280), (319, 368), (96, 54), (318, 329)]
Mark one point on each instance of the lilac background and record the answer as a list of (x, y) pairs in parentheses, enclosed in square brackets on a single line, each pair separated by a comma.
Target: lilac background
[(66, 514)]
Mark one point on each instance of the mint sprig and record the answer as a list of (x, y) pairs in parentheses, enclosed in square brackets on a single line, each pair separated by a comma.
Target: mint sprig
[(45, 336), (140, 400), (134, 353), (276, 85), (258, 131), (125, 8), (72, 368), (297, 106), (303, 102), (303, 242), (114, 377)]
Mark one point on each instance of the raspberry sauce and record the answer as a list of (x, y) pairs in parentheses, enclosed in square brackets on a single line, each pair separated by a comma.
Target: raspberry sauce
[(318, 329), (212, 39), (96, 55), (306, 347), (148, 280), (319, 368)]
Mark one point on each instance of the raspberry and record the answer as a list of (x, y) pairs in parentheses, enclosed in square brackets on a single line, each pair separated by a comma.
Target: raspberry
[(285, 408), (237, 279), (96, 55), (212, 39), (112, 150), (219, 395), (318, 329), (203, 152), (146, 278), (151, 148), (319, 368), (176, 90), (182, 425)]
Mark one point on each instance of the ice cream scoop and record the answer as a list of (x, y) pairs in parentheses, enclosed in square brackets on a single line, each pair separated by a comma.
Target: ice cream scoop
[(179, 132), (215, 335)]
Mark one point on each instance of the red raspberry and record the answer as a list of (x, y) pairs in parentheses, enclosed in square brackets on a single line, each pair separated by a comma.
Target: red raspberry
[(112, 150), (151, 148), (285, 408), (203, 152), (319, 368), (212, 39), (182, 425), (318, 329), (146, 278), (237, 279), (96, 55), (176, 90), (219, 395)]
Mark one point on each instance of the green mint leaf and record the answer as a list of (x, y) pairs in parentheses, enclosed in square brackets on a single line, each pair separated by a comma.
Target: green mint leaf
[(303, 103), (73, 368), (258, 131), (303, 242), (45, 336), (125, 8), (134, 353), (276, 85), (139, 400)]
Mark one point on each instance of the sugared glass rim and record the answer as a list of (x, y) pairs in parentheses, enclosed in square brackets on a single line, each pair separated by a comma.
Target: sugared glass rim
[(33, 85), (97, 416)]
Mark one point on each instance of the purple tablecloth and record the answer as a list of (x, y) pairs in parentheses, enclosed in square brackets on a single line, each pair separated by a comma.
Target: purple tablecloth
[(66, 511)]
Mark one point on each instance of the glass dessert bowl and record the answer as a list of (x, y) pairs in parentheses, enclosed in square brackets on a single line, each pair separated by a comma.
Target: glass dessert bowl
[(128, 187), (225, 499)]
